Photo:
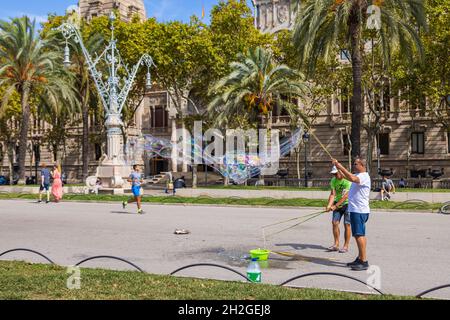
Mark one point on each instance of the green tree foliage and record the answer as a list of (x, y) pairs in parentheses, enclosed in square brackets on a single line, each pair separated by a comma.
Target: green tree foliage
[(85, 88), (29, 66), (324, 24), (255, 84), (430, 79), (9, 133)]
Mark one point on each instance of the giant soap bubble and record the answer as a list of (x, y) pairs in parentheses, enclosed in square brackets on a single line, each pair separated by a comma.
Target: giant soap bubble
[(238, 166)]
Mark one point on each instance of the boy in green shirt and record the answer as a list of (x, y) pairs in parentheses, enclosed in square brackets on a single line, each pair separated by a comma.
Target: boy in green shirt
[(338, 203)]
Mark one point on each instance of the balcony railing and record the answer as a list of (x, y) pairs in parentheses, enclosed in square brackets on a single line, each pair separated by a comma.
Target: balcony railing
[(281, 120), (158, 131)]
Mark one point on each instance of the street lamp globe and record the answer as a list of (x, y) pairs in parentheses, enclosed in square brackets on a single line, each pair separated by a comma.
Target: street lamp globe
[(306, 137), (148, 83), (66, 56), (112, 17)]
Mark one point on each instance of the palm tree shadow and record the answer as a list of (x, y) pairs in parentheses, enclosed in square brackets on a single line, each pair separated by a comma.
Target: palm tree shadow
[(301, 246), (318, 260)]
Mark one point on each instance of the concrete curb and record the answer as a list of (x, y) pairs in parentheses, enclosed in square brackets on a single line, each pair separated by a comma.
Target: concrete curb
[(227, 205)]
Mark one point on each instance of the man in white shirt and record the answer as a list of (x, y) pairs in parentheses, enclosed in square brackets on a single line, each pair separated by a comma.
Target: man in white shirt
[(358, 206)]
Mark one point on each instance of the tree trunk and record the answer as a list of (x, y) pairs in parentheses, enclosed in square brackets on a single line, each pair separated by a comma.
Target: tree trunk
[(194, 176), (297, 153), (356, 101), (124, 143), (226, 181), (85, 143), (369, 151), (31, 162), (11, 163), (186, 156), (23, 134)]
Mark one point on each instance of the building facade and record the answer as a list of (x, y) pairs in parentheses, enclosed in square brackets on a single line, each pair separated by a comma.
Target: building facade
[(127, 8), (411, 142), (274, 15)]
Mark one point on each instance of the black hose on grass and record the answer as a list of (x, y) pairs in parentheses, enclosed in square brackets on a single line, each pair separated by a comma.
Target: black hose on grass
[(210, 265), (432, 289), (417, 202), (110, 257), (420, 295), (28, 250), (331, 274)]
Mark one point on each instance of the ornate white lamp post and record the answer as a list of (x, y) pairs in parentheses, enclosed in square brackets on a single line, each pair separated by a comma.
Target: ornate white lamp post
[(113, 91)]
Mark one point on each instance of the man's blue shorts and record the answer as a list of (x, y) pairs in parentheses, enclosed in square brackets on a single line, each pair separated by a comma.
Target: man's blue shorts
[(342, 211), (136, 191), (358, 223), (46, 186)]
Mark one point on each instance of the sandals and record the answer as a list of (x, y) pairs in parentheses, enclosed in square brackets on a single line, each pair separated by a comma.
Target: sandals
[(334, 248)]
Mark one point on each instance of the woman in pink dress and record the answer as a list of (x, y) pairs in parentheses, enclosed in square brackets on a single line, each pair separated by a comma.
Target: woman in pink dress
[(57, 189)]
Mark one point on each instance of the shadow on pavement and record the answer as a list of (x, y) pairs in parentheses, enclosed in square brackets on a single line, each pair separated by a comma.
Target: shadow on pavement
[(301, 246), (123, 212)]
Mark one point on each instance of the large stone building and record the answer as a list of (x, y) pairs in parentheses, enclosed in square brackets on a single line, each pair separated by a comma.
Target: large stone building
[(274, 15), (411, 141), (126, 8)]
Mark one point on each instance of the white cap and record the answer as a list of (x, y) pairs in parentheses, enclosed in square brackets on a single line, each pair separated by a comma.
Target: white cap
[(334, 170)]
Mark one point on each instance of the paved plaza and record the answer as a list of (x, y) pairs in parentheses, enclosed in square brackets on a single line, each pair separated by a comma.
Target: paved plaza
[(411, 249)]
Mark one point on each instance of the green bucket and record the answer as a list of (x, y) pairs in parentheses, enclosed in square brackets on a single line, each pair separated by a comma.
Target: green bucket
[(260, 254)]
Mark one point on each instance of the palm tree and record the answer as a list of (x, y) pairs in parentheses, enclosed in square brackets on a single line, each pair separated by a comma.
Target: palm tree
[(29, 67), (255, 84), (86, 91), (324, 24)]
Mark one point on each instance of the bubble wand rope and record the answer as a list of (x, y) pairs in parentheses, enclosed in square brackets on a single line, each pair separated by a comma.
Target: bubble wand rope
[(295, 225), (292, 219), (320, 143)]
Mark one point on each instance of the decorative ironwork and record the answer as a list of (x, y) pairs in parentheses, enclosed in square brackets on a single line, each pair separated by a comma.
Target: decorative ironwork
[(113, 89)]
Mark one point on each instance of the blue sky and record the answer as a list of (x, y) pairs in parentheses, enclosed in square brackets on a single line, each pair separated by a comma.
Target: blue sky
[(163, 10)]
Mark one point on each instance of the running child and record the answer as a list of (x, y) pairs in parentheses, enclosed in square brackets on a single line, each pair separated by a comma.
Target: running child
[(136, 180)]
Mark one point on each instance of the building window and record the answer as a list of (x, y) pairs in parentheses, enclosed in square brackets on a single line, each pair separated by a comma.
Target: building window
[(383, 103), (344, 55), (16, 154), (346, 144), (418, 142), (160, 117), (279, 111), (448, 142), (98, 151), (345, 102), (383, 143), (55, 152), (37, 152)]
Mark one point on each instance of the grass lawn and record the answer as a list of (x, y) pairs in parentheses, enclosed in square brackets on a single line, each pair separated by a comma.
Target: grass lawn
[(37, 185), (267, 202), (243, 187), (21, 280)]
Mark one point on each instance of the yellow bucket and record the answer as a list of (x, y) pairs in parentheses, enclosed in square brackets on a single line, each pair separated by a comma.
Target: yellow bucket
[(260, 254)]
